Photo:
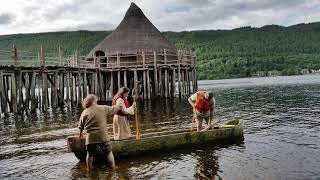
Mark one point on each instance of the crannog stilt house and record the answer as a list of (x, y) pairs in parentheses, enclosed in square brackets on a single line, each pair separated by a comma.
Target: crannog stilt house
[(138, 56)]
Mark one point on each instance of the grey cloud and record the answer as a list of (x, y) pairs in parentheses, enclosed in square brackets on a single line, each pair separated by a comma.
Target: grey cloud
[(5, 19), (96, 26)]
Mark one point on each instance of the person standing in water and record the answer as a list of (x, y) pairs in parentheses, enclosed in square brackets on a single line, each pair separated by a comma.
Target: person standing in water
[(93, 120), (121, 127), (203, 103)]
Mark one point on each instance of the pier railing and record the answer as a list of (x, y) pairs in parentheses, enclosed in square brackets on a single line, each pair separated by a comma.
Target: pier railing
[(57, 59)]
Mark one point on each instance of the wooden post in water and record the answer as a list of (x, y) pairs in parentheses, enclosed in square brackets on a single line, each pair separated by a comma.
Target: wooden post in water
[(101, 87), (160, 83), (19, 91), (148, 85), (13, 93), (61, 89), (85, 91), (135, 85), (166, 82), (27, 91), (33, 92), (111, 84), (2, 94), (155, 74), (144, 76), (44, 81), (54, 97), (179, 73), (119, 80), (125, 79), (173, 83)]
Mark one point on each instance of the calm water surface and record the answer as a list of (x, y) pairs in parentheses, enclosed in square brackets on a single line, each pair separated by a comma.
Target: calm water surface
[(281, 140)]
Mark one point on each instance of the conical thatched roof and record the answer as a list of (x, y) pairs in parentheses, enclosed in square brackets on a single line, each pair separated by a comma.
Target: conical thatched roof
[(134, 33)]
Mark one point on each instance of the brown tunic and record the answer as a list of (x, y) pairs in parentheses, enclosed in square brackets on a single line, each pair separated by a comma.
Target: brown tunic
[(94, 121)]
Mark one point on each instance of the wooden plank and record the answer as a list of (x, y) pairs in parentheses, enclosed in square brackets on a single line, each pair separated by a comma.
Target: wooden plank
[(3, 97), (33, 92), (101, 87)]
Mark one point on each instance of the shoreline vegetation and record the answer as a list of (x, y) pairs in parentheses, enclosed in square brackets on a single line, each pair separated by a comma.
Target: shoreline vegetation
[(221, 54)]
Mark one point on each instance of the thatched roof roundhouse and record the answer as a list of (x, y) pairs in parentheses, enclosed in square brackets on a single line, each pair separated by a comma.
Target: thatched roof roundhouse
[(134, 34)]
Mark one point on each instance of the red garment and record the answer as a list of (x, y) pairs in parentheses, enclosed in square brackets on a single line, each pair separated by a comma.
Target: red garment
[(126, 103), (202, 105)]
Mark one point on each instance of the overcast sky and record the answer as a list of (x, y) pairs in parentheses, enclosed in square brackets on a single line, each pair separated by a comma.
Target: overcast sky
[(29, 16)]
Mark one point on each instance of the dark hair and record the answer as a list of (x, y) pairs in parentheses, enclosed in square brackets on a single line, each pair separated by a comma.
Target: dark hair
[(122, 91), (89, 100), (210, 93)]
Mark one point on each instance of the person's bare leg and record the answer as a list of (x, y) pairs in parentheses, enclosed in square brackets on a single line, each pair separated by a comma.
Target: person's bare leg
[(89, 161), (110, 159), (199, 123), (209, 126)]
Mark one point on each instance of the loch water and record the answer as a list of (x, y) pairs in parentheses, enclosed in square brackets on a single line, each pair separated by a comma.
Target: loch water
[(281, 137)]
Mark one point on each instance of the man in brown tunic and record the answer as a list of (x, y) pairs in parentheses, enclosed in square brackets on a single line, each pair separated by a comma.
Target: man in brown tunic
[(94, 121)]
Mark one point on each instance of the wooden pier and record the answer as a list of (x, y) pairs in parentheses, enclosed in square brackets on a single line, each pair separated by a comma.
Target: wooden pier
[(31, 83)]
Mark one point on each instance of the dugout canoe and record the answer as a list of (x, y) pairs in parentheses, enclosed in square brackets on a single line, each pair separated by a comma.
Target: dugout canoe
[(162, 141)]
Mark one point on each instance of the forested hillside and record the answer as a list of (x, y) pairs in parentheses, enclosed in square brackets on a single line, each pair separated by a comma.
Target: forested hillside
[(242, 52)]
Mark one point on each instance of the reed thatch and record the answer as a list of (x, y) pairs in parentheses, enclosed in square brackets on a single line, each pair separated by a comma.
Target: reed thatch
[(134, 33)]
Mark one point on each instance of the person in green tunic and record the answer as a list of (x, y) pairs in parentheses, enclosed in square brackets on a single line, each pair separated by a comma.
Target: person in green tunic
[(93, 120)]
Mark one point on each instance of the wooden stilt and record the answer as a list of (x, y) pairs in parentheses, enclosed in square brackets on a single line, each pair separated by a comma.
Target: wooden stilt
[(85, 90), (3, 97), (173, 83), (179, 73), (27, 91), (67, 90), (61, 89), (119, 80), (166, 83), (125, 78), (33, 92), (144, 85), (13, 93), (148, 85), (78, 89), (111, 84), (135, 83), (155, 74), (101, 87)]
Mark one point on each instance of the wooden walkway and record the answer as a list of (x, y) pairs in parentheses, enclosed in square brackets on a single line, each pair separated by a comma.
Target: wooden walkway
[(28, 83)]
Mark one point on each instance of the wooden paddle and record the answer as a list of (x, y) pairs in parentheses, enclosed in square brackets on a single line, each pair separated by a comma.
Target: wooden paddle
[(137, 122)]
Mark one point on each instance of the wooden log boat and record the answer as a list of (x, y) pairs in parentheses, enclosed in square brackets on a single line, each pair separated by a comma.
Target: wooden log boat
[(163, 141)]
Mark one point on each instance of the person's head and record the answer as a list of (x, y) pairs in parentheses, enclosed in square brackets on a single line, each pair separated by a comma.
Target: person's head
[(123, 92), (209, 95), (90, 100)]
